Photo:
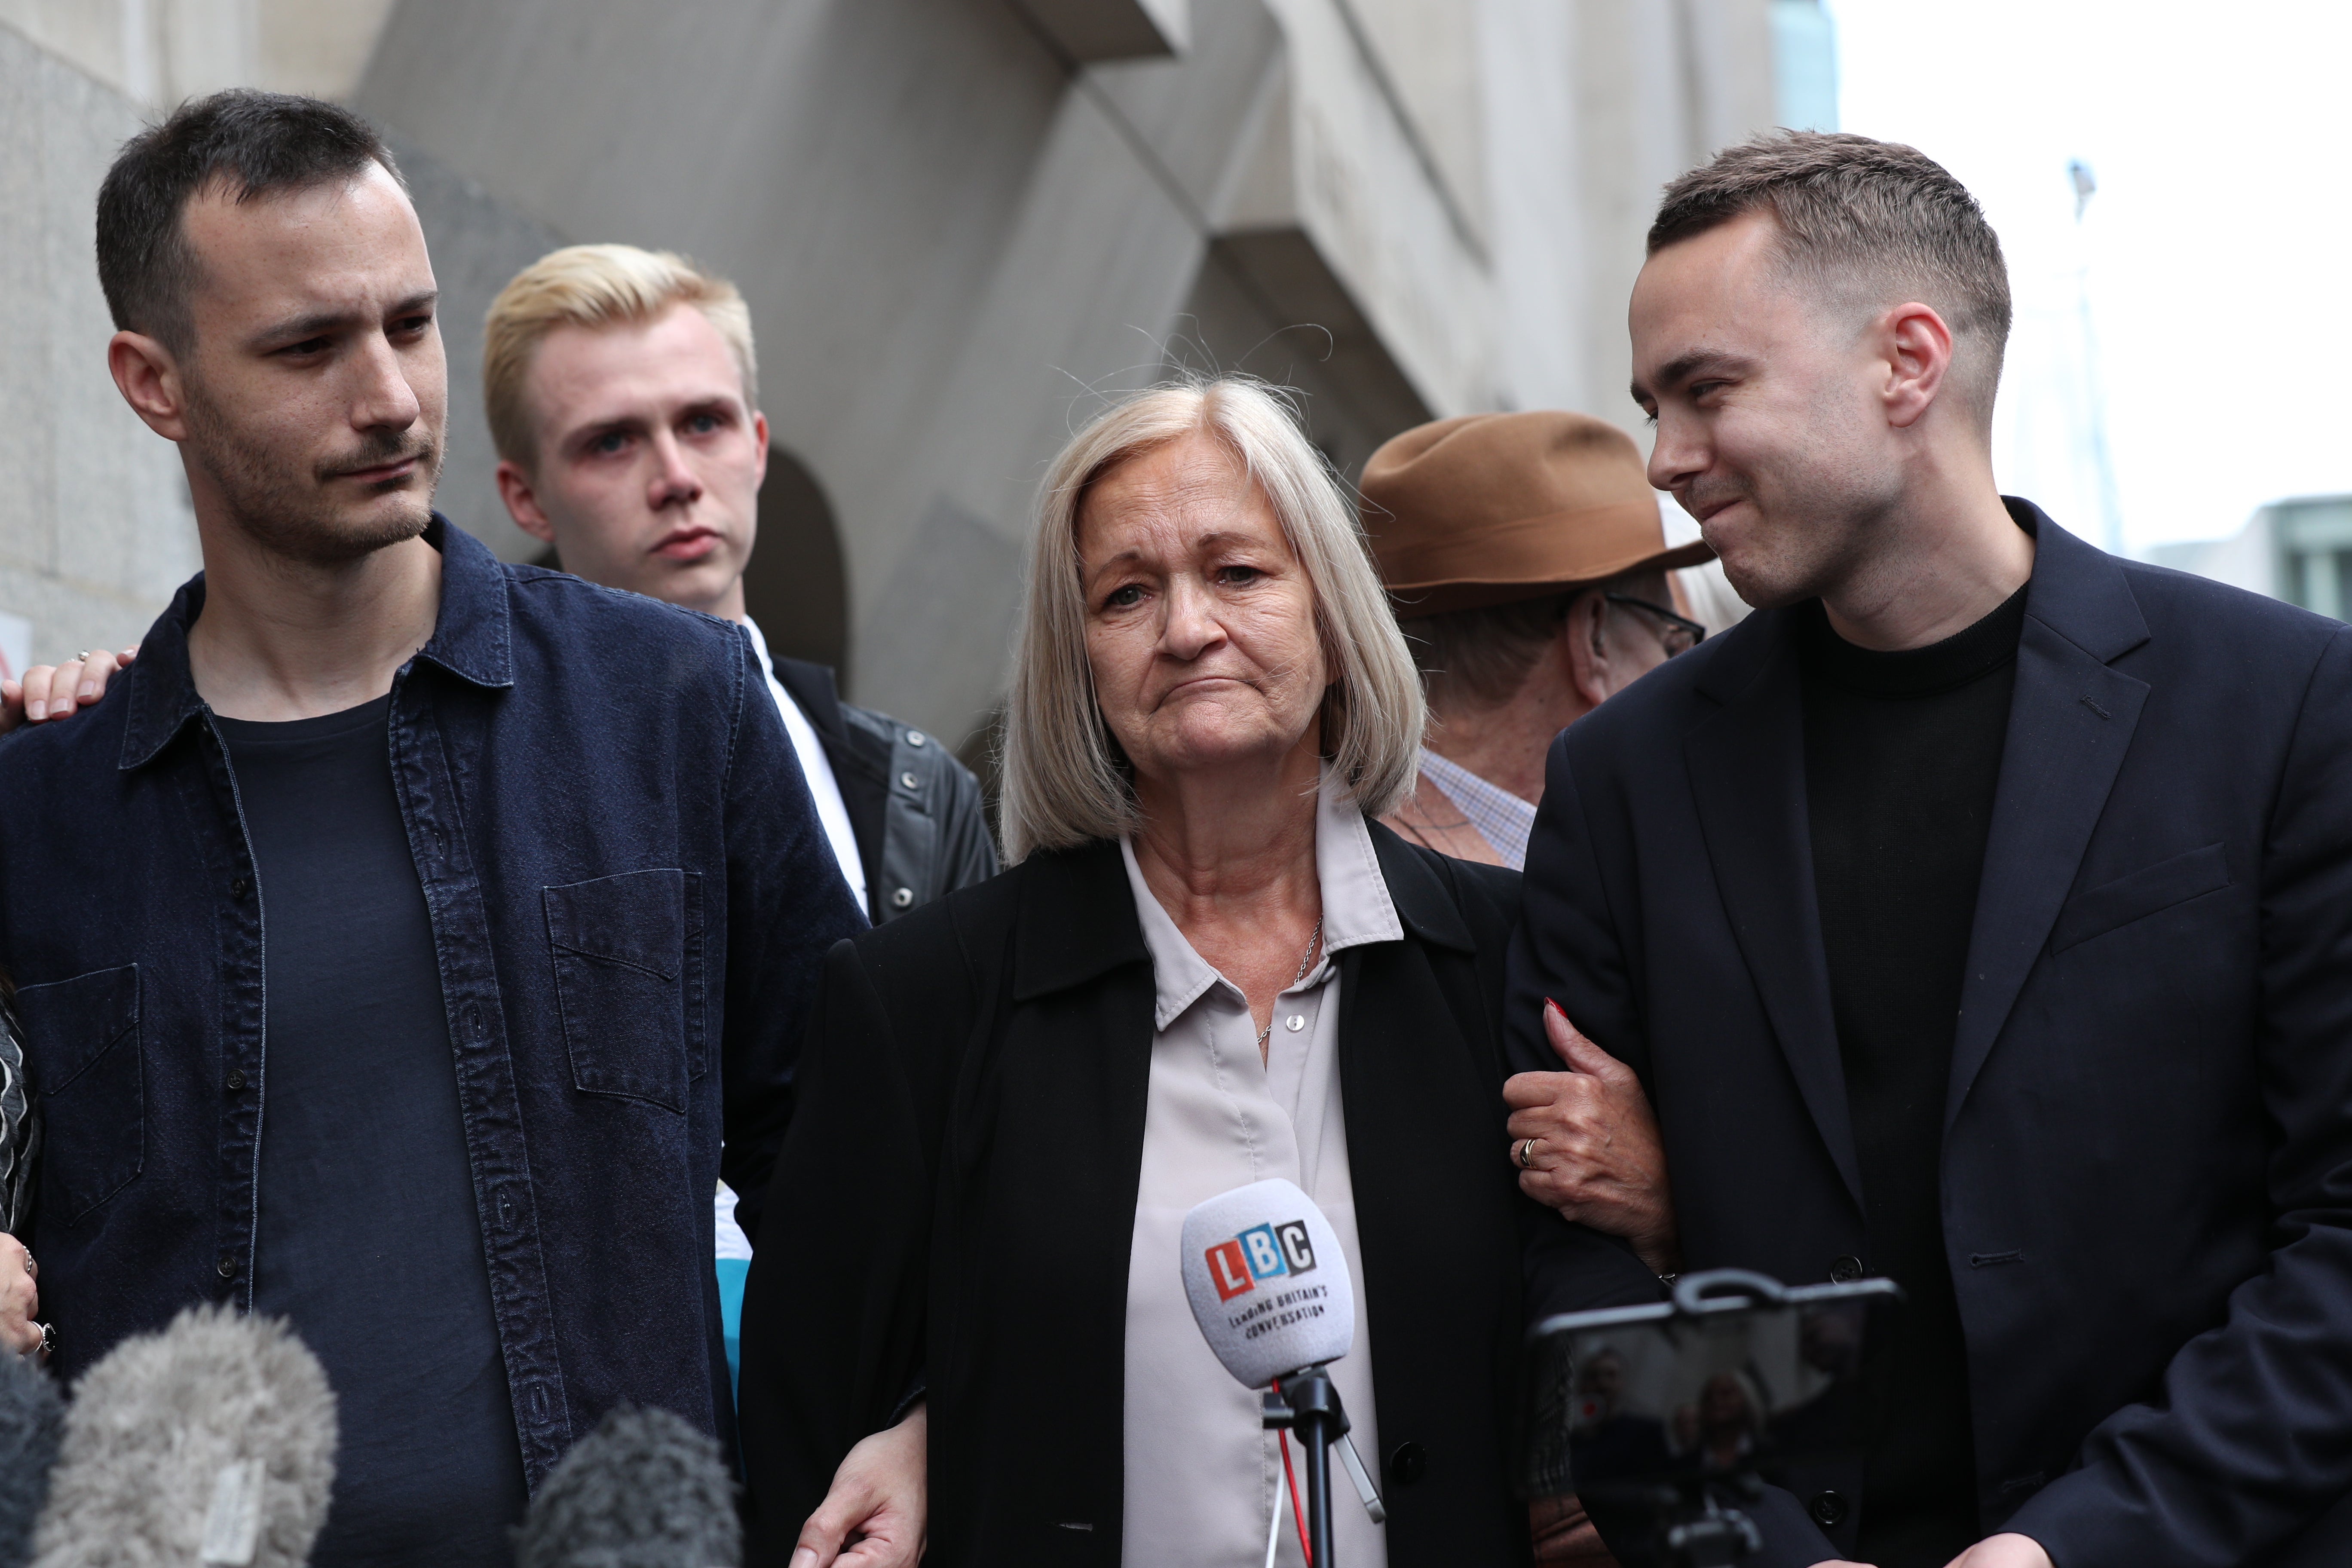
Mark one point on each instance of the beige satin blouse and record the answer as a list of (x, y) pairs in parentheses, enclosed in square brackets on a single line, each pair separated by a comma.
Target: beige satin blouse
[(1201, 1473)]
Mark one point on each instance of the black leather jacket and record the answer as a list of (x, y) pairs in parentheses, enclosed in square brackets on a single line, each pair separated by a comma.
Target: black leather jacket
[(20, 1124), (919, 816)]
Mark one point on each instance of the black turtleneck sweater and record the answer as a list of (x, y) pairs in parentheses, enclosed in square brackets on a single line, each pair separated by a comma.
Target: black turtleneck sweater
[(1902, 754)]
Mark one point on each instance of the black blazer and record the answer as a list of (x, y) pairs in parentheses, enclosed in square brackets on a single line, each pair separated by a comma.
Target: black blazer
[(2147, 1145), (956, 1204)]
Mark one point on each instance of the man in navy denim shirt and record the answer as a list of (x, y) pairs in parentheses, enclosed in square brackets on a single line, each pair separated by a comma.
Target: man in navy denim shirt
[(398, 940)]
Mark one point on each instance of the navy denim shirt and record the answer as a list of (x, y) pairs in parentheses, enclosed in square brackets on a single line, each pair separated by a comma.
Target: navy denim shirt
[(630, 895)]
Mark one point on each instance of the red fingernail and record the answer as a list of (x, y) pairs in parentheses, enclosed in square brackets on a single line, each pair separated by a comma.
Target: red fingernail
[(1555, 1006)]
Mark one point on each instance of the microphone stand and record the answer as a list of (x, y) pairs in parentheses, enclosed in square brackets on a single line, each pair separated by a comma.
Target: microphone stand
[(1308, 1401)]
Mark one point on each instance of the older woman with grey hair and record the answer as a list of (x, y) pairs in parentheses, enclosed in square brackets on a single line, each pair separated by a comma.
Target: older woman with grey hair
[(1210, 965)]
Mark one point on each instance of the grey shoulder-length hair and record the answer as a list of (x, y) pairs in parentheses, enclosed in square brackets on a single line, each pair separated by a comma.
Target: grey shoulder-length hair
[(1065, 782)]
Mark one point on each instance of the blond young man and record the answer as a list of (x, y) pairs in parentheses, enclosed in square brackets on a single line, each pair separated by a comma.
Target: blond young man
[(622, 387)]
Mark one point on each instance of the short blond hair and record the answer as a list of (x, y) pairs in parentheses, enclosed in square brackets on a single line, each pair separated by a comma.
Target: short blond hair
[(595, 286), (1064, 781)]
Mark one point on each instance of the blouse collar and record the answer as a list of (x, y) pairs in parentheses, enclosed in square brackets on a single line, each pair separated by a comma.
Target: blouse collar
[(1357, 908)]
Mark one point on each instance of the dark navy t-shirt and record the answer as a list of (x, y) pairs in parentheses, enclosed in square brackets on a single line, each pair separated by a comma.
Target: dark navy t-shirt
[(369, 1238)]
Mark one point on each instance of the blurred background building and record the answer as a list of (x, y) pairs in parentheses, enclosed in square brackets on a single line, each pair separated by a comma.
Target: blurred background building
[(959, 222), (2298, 550)]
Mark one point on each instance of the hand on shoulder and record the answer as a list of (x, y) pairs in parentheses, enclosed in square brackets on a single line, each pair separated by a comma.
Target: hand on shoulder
[(51, 691)]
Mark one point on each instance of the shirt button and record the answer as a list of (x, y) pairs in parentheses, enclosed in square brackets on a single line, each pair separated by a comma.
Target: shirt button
[(236, 1078), (903, 898), (239, 887), (906, 781), (1846, 1270), (1408, 1464), (1294, 1023), (917, 738), (1828, 1510), (227, 1267)]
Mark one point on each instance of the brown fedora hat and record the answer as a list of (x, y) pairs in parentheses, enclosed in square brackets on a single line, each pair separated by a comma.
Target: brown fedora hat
[(1488, 508)]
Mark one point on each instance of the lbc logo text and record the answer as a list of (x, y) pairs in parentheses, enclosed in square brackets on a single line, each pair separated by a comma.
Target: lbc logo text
[(1260, 1253)]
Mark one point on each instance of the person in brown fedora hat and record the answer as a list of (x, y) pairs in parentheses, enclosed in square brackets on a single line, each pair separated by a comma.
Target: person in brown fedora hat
[(1529, 569)]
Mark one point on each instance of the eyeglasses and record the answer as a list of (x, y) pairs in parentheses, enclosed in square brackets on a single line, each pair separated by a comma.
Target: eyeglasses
[(1680, 634)]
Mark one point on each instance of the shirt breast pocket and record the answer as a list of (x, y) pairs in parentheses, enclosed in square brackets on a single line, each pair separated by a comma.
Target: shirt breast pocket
[(629, 982), (82, 1055)]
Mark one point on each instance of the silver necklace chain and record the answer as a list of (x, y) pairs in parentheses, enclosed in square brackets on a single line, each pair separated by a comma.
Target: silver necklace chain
[(1314, 941)]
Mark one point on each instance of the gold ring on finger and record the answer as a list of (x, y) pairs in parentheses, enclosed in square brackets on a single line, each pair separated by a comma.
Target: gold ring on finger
[(1527, 1151)]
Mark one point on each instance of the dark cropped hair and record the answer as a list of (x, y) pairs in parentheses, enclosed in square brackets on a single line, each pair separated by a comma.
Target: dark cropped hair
[(251, 143), (1859, 216)]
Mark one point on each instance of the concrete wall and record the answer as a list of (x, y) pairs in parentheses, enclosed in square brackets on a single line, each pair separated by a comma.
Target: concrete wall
[(157, 52), (95, 528), (477, 243), (954, 240), (1657, 87), (961, 223)]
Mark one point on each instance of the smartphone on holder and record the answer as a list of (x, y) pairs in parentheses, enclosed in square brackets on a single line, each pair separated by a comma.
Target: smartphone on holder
[(1665, 1420)]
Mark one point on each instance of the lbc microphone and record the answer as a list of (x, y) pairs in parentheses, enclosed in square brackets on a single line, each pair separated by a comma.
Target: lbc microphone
[(643, 1490), (211, 1443), (1269, 1284), (1271, 1290), (32, 1424)]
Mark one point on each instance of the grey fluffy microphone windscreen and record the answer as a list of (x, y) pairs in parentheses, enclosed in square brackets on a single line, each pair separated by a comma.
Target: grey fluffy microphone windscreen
[(209, 1445), (32, 1424), (1269, 1284), (643, 1490)]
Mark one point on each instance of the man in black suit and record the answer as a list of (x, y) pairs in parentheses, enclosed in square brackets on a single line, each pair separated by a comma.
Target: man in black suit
[(1977, 913)]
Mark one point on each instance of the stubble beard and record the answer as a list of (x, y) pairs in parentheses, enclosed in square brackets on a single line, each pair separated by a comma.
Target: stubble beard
[(1810, 543), (286, 511)]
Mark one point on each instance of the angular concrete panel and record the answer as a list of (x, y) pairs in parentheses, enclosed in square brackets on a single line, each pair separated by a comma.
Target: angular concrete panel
[(937, 636), (1088, 31)]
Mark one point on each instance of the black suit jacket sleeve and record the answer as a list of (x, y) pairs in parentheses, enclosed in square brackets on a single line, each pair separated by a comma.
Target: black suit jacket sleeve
[(1567, 948), (2245, 1439), (1571, 947)]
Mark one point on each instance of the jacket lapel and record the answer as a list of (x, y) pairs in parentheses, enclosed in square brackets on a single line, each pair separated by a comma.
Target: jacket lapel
[(1082, 990), (2071, 720), (1078, 919), (1748, 774), (811, 689), (1422, 904)]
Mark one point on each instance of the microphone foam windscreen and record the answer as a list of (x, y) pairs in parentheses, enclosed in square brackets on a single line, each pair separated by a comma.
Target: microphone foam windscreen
[(210, 1443), (32, 1425), (1267, 1281), (643, 1490)]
